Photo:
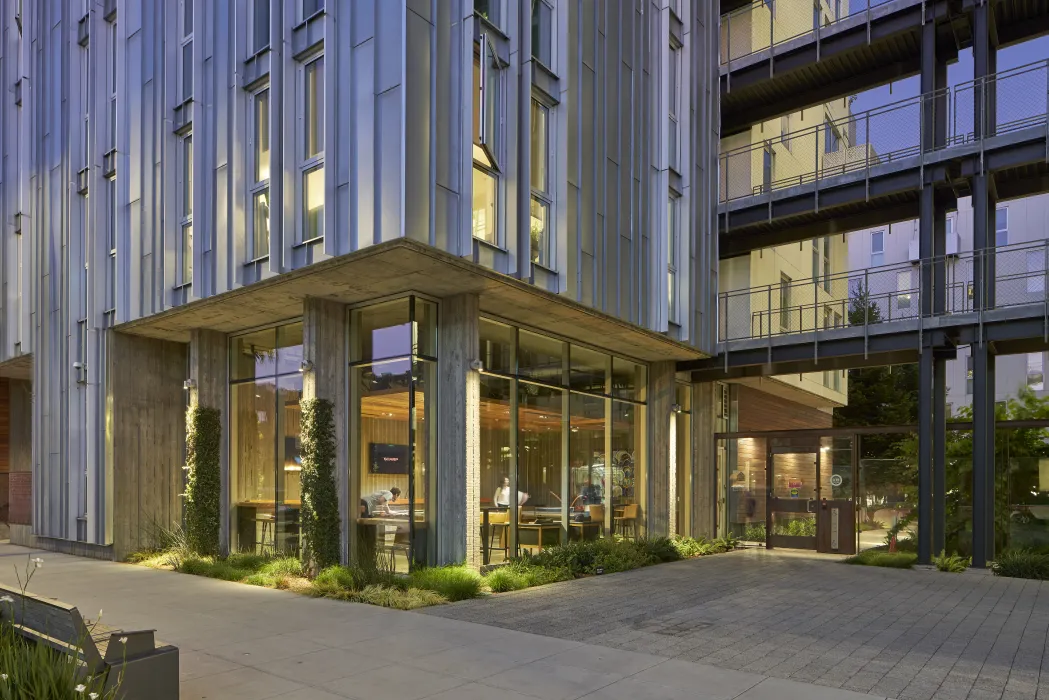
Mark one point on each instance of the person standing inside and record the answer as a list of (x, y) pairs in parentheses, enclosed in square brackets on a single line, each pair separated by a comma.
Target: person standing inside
[(502, 495)]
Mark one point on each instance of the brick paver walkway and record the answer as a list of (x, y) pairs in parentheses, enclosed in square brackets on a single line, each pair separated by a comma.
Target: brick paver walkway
[(901, 634)]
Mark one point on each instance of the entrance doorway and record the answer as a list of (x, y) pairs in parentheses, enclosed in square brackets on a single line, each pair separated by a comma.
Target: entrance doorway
[(810, 503)]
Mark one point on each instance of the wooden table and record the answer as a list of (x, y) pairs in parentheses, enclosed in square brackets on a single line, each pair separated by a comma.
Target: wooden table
[(542, 532)]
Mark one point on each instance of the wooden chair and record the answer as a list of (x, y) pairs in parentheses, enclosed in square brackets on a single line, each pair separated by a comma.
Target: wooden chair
[(146, 669), (626, 518), (597, 512), (499, 521)]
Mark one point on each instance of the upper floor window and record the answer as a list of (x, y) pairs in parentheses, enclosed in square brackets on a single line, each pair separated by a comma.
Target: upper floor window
[(311, 166), (310, 8), (259, 134), (784, 301), (673, 239), (1001, 226), (540, 183), (112, 74), (1035, 374), (491, 10), (111, 243), (877, 248), (969, 373), (185, 65), (831, 139), (815, 261), (674, 108), (784, 130), (487, 143), (826, 263), (185, 209), (260, 25), (543, 31)]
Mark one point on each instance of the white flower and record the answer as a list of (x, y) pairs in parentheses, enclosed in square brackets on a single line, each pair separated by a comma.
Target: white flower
[(7, 599), (93, 696), (39, 562), (3, 676), (122, 640), (80, 688)]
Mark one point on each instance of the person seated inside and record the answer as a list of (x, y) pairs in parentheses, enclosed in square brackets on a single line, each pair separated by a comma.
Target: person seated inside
[(377, 505), (501, 499)]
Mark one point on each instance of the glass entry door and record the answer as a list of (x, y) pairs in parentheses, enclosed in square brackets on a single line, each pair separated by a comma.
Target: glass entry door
[(793, 498)]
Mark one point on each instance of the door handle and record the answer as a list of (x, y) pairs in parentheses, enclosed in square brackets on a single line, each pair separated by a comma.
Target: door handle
[(810, 506)]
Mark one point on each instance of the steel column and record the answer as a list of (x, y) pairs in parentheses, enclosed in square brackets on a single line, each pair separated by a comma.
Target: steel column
[(925, 401), (939, 454), (983, 455)]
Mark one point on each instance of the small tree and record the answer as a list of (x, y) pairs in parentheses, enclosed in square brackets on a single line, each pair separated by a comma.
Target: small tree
[(320, 502), (203, 483)]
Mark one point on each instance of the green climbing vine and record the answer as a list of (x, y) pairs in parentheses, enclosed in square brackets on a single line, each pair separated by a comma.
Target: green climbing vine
[(320, 502), (203, 483)]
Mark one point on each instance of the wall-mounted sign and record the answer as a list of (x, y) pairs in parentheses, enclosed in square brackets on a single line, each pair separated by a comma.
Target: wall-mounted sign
[(794, 493), (835, 480), (794, 483)]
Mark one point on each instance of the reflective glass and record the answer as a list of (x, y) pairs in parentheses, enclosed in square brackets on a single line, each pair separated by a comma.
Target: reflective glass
[(382, 331), (539, 357)]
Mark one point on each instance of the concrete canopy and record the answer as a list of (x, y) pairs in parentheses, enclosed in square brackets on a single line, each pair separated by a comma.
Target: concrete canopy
[(400, 266)]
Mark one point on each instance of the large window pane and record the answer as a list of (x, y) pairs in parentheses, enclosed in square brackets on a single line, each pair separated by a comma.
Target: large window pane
[(485, 203), (253, 355), (187, 253), (311, 7), (423, 485), (628, 482), (745, 479), (289, 348), (540, 470), (289, 463), (497, 347), (629, 379), (187, 70), (313, 109), (313, 203), (253, 439), (542, 30), (589, 472), (425, 328), (384, 460), (496, 496), (187, 176), (262, 136), (540, 358), (260, 25), (382, 331), (887, 489)]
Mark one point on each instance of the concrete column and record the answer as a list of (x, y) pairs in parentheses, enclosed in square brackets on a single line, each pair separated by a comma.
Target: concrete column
[(145, 437), (325, 332), (704, 468), (20, 446), (660, 399), (983, 454), (459, 446), (209, 372)]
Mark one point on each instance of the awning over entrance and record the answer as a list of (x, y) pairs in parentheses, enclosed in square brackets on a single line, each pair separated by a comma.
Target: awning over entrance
[(399, 266)]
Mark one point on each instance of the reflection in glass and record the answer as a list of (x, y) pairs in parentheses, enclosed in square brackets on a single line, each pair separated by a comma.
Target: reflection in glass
[(485, 203), (382, 331), (745, 488), (423, 532), (1022, 488), (682, 445), (289, 463), (587, 370), (289, 348), (887, 490), (253, 354), (497, 346), (629, 379), (261, 224), (313, 203), (540, 358), (253, 428)]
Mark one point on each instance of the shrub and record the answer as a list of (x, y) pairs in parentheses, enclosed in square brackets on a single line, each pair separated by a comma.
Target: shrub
[(247, 560), (339, 578), (891, 560), (452, 582), (796, 528), (203, 481), (662, 548), (33, 671), (283, 566), (386, 597), (1022, 563), (954, 563), (506, 579), (688, 547), (212, 568), (754, 533), (901, 526), (319, 516)]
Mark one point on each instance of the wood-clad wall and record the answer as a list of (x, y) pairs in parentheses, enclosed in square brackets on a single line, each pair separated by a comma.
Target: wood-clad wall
[(761, 411), (146, 404)]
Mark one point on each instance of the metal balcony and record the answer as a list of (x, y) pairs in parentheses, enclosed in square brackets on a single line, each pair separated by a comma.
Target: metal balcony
[(868, 169)]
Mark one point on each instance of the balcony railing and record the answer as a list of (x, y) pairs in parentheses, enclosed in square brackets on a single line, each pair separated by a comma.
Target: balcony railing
[(998, 104), (1019, 275), (769, 23)]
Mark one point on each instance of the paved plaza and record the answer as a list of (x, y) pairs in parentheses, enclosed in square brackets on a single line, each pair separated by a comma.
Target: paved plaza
[(240, 641), (892, 633)]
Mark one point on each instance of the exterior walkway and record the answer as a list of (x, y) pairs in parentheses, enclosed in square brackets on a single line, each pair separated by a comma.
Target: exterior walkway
[(238, 641), (893, 633)]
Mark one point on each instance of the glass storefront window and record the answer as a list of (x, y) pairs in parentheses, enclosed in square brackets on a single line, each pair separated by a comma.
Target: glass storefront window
[(629, 379), (540, 472), (395, 432), (682, 446), (745, 480), (265, 463), (628, 484), (887, 489), (496, 497), (589, 478), (587, 370)]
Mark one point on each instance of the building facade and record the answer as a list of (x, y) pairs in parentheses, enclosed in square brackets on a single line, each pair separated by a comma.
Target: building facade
[(483, 230)]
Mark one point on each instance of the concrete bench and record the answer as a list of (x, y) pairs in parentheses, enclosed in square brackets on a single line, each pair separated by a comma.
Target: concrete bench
[(143, 667)]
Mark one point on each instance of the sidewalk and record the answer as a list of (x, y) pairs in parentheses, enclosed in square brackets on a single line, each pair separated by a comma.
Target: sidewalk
[(240, 641)]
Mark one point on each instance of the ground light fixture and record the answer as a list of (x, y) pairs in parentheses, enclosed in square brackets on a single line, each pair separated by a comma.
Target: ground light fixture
[(305, 366)]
